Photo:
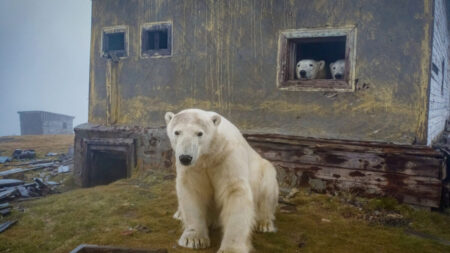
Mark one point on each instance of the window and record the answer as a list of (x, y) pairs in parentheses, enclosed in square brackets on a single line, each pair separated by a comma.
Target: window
[(64, 125), (115, 42), (323, 47), (156, 39)]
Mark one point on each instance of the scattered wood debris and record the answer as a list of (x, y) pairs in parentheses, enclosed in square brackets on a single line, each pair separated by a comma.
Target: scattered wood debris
[(4, 226)]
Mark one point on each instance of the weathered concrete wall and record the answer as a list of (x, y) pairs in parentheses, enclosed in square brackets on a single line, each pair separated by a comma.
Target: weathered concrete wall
[(62, 126), (41, 122), (224, 59), (440, 80), (152, 146), (30, 123)]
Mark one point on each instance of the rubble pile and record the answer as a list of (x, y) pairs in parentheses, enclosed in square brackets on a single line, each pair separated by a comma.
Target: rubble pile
[(16, 184)]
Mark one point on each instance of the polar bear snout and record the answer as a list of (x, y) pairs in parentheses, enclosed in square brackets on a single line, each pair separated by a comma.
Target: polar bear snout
[(302, 74), (185, 159), (338, 76)]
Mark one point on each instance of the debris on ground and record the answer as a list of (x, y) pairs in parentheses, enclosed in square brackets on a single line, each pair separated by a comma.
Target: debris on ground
[(11, 189), (24, 154), (63, 169), (96, 248), (51, 154), (4, 226), (5, 159)]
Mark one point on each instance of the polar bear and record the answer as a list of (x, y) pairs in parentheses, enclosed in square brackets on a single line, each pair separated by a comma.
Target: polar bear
[(220, 180), (337, 69), (310, 69)]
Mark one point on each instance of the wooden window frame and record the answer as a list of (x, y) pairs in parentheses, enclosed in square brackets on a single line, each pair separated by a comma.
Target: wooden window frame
[(118, 53), (287, 54), (156, 26)]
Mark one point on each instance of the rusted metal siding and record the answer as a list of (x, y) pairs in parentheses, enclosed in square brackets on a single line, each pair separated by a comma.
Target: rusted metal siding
[(224, 59)]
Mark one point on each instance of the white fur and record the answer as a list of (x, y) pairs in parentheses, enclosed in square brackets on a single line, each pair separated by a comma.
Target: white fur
[(313, 69), (337, 68), (227, 184)]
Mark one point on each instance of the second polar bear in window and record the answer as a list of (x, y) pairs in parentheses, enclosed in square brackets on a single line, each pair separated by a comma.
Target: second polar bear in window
[(337, 69)]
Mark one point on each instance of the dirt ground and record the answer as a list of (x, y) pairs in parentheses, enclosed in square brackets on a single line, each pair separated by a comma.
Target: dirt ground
[(137, 212)]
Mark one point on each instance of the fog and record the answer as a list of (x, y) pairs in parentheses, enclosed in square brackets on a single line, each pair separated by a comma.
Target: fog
[(44, 59)]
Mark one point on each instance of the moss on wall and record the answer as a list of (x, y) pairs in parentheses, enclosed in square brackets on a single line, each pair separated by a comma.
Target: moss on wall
[(224, 59)]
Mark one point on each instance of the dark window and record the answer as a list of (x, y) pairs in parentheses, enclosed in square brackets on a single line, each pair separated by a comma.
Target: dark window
[(114, 42), (156, 39), (328, 49), (64, 125), (106, 167), (323, 46)]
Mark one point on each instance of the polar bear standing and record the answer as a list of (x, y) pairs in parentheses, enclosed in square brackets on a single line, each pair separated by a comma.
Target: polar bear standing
[(220, 180), (310, 69), (337, 69)]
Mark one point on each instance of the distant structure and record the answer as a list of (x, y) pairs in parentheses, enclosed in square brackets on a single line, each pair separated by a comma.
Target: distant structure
[(40, 122)]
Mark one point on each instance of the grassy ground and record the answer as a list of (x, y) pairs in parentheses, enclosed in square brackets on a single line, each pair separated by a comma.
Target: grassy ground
[(137, 212), (41, 143)]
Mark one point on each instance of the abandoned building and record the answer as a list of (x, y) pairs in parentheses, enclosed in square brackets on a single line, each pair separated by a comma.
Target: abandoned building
[(371, 132), (40, 122)]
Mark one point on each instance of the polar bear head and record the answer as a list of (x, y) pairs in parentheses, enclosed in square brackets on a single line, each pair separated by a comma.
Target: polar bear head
[(308, 69), (191, 133), (337, 69)]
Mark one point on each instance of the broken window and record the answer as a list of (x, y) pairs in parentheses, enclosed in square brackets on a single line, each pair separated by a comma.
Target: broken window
[(115, 42), (156, 39), (316, 59)]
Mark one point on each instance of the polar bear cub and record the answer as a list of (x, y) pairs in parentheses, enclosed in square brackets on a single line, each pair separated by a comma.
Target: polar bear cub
[(310, 69), (220, 180), (337, 69)]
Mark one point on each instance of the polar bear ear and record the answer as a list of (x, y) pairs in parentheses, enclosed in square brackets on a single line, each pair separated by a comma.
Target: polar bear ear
[(321, 64), (216, 119), (168, 117)]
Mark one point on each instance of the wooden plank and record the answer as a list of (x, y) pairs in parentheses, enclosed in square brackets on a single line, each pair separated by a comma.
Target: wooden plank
[(415, 190), (409, 173), (375, 147), (358, 159)]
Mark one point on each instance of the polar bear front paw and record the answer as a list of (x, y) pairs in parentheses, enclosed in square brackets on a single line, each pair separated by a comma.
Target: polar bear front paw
[(194, 240), (265, 226)]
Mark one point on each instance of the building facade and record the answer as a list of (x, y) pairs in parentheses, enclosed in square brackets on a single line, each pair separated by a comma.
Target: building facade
[(238, 58), (40, 122)]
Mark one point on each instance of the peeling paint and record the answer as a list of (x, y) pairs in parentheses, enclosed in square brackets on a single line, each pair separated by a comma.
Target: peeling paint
[(224, 59)]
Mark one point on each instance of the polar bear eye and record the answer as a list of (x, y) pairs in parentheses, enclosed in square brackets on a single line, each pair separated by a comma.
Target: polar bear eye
[(334, 67), (310, 65), (177, 133), (199, 134)]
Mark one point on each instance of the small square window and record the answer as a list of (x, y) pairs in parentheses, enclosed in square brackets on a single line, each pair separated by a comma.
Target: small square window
[(115, 42), (156, 39), (305, 57)]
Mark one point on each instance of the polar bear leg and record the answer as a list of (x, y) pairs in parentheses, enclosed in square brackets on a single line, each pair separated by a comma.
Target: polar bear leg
[(237, 218), (267, 200), (193, 210)]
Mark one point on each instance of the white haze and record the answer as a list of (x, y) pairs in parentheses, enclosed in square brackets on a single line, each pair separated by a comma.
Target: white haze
[(44, 59)]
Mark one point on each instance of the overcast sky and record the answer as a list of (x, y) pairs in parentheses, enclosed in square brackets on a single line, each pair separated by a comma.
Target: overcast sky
[(44, 59)]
